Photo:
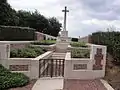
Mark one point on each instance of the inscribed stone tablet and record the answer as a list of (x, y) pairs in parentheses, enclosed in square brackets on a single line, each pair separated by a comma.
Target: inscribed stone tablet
[(79, 66)]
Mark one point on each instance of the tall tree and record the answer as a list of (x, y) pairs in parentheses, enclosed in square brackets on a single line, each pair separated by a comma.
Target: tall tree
[(55, 26), (24, 17), (7, 14), (10, 17), (39, 22), (33, 20)]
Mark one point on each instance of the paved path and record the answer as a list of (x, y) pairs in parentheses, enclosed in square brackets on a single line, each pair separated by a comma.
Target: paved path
[(83, 85), (60, 84), (48, 84)]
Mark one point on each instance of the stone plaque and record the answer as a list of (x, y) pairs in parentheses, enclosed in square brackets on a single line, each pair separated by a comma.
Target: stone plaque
[(79, 66), (18, 67), (98, 58)]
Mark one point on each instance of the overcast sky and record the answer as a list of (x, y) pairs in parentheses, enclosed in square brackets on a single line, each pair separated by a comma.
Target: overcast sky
[(84, 17)]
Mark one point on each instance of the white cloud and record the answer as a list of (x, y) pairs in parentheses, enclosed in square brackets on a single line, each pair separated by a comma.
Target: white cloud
[(102, 23), (85, 16)]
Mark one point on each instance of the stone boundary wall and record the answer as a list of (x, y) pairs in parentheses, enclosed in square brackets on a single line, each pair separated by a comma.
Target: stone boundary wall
[(17, 44), (42, 36), (86, 68), (28, 66)]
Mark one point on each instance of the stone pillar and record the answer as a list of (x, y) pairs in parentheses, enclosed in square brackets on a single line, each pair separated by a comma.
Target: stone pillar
[(64, 33), (34, 70), (4, 54), (61, 47)]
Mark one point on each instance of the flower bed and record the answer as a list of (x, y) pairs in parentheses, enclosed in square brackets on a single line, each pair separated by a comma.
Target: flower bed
[(29, 52), (78, 44), (11, 80), (80, 53), (44, 42)]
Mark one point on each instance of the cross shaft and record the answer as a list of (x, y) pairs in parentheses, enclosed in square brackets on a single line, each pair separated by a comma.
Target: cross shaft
[(65, 16)]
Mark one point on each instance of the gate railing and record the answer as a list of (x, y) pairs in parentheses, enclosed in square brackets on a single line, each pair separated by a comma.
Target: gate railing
[(51, 67)]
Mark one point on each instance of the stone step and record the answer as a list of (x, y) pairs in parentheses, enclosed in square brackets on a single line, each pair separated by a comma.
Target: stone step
[(58, 56), (59, 53)]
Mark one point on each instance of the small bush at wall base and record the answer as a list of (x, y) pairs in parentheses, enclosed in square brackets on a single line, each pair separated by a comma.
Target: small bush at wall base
[(11, 80)]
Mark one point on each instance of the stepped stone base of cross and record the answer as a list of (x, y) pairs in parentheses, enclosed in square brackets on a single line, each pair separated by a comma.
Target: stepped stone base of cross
[(64, 37)]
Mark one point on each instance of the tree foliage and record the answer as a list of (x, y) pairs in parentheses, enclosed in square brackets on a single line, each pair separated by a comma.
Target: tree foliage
[(55, 26), (35, 20), (10, 17), (7, 14)]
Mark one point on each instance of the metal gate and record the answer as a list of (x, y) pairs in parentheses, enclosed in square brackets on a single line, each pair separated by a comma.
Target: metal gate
[(51, 67)]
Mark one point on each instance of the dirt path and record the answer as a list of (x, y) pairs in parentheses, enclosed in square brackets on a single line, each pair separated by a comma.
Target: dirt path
[(112, 73), (83, 85)]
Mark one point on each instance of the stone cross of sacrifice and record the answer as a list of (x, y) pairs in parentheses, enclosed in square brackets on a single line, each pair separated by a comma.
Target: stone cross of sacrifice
[(65, 16)]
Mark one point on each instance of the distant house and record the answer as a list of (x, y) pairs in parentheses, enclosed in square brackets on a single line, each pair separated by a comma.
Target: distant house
[(42, 36), (86, 39)]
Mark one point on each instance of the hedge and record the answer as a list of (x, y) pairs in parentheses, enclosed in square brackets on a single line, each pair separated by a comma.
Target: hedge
[(14, 33), (111, 40), (11, 80), (74, 39)]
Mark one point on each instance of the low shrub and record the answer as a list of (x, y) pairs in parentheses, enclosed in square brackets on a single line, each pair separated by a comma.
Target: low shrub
[(11, 80), (44, 42), (80, 53), (38, 50), (78, 44), (30, 52)]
